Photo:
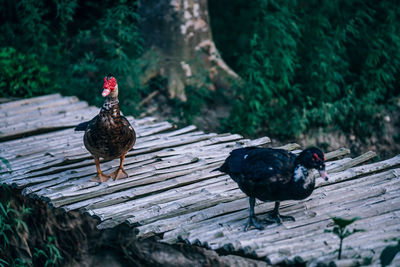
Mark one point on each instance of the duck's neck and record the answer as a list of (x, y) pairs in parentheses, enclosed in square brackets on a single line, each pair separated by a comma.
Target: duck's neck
[(303, 180), (300, 173), (111, 105)]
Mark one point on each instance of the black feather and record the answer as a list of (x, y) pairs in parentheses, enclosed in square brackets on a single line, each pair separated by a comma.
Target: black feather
[(82, 126), (268, 174)]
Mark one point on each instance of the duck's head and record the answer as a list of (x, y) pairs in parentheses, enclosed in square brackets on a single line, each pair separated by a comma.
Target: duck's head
[(313, 158), (110, 87)]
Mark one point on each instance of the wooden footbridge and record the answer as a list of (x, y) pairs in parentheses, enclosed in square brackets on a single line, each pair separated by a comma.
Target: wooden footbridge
[(171, 192)]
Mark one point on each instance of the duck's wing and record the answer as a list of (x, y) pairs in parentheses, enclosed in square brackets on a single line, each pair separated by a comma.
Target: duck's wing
[(234, 163), (83, 125), (124, 133), (268, 166)]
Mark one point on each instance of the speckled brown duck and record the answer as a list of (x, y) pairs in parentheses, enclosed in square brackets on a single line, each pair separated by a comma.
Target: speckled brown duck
[(108, 135)]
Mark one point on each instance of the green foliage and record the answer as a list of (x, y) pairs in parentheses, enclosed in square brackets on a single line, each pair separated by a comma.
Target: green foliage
[(14, 230), (340, 230), (312, 64), (80, 42), (11, 224), (6, 163), (388, 254), (117, 46), (305, 63), (22, 74), (189, 109), (50, 254)]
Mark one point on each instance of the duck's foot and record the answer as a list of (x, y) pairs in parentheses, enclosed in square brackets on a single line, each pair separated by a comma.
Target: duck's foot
[(275, 217), (252, 223), (119, 174), (100, 177)]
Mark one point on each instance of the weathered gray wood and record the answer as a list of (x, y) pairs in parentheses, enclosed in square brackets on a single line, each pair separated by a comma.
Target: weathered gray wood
[(28, 101), (290, 147), (104, 208), (44, 104), (311, 241), (350, 197), (210, 212), (57, 122), (60, 199), (289, 235), (356, 161), (172, 192), (337, 153), (39, 113), (357, 171), (77, 143)]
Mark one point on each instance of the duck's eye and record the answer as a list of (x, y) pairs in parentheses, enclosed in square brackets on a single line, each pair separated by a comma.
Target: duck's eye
[(315, 157)]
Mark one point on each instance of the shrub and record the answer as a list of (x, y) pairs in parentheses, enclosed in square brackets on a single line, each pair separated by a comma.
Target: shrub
[(22, 74), (314, 64)]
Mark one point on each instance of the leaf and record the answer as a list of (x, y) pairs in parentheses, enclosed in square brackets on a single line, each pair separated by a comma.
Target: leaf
[(388, 254), (3, 263), (6, 162), (3, 210), (342, 223), (39, 252)]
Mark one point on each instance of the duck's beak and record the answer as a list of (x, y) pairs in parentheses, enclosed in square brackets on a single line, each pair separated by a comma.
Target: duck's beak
[(106, 92), (324, 175)]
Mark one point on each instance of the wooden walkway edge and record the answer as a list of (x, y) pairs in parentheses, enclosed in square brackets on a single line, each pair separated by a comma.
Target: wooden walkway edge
[(172, 193)]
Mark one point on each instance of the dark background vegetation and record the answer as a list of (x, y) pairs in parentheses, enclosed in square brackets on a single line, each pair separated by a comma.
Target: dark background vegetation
[(306, 64)]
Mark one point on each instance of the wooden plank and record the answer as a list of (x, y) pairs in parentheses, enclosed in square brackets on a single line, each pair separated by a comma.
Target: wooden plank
[(61, 199), (82, 169), (361, 170), (39, 126), (40, 113), (337, 153), (48, 141), (279, 239), (27, 101), (351, 198), (110, 204), (356, 161), (287, 235), (314, 239), (171, 191), (174, 183), (44, 104), (75, 142), (290, 147), (171, 223), (168, 224)]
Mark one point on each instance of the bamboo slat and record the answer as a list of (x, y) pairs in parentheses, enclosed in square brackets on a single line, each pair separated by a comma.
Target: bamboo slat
[(173, 192)]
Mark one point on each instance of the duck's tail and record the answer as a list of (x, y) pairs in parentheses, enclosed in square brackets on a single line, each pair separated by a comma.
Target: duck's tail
[(82, 126)]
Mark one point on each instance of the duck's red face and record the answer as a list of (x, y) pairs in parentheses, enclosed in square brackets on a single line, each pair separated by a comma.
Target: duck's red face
[(110, 83)]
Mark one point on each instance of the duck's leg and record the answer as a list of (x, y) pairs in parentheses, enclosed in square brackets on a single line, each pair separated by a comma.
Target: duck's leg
[(120, 172), (275, 217), (252, 221), (100, 177)]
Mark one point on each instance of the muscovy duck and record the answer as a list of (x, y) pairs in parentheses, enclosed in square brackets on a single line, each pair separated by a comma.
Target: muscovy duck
[(273, 175), (108, 135)]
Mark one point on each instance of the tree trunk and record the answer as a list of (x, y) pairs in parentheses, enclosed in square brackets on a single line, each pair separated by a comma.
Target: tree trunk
[(179, 46)]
